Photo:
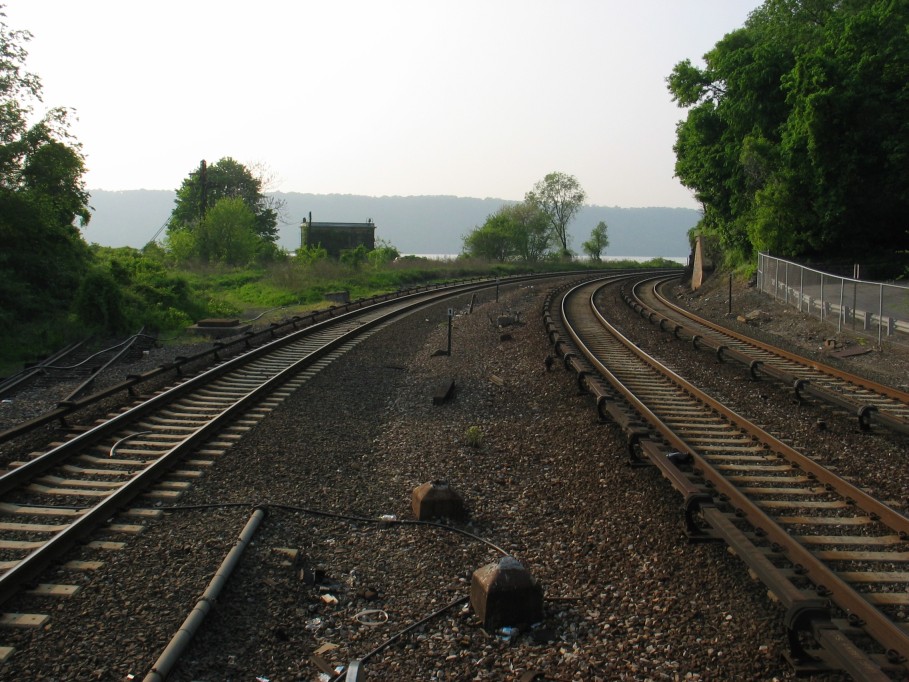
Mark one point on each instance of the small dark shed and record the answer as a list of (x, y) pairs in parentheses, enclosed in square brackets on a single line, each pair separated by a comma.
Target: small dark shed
[(336, 237)]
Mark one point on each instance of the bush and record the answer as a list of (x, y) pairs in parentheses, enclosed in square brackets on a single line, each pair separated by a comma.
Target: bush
[(99, 302)]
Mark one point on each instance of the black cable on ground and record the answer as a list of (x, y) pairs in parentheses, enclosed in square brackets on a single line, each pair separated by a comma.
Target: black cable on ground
[(344, 517), (391, 640)]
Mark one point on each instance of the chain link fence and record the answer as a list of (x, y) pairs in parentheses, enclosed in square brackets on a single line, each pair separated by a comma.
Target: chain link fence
[(873, 309)]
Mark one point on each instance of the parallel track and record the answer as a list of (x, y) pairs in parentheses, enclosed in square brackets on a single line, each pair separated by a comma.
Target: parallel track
[(60, 497), (871, 402), (837, 558)]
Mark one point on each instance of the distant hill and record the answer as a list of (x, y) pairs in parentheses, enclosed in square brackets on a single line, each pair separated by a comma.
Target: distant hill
[(418, 224)]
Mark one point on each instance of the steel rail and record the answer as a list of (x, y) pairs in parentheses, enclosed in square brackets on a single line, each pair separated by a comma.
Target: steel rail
[(241, 343), (39, 559), (868, 400), (12, 382), (89, 381), (244, 342), (881, 628)]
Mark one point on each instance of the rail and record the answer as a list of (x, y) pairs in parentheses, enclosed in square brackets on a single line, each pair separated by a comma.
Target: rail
[(737, 472)]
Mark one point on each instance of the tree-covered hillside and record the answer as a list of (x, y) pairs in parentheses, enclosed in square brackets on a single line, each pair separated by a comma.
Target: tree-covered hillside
[(796, 139)]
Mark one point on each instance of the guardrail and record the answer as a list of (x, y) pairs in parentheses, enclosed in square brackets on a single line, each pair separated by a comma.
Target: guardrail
[(856, 305)]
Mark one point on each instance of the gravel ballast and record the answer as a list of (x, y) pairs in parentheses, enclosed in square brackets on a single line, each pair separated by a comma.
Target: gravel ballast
[(625, 595)]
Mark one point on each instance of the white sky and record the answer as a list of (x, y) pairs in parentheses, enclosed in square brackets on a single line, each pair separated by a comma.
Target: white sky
[(476, 98)]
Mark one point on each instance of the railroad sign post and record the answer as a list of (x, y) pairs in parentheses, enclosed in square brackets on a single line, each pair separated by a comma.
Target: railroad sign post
[(450, 316)]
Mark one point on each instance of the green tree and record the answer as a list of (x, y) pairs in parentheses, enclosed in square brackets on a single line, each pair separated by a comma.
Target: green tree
[(598, 241), (493, 240), (559, 197), (514, 232), (796, 129), (529, 231), (227, 233), (227, 179), (42, 195)]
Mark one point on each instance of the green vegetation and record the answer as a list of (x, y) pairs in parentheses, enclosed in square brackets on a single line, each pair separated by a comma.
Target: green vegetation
[(599, 240), (795, 137), (219, 258), (474, 437), (529, 231), (222, 216)]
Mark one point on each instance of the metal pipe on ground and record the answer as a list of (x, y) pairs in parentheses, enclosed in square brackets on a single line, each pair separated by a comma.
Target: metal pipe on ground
[(172, 652)]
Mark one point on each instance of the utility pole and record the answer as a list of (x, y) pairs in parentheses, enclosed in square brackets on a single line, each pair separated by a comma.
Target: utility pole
[(203, 189)]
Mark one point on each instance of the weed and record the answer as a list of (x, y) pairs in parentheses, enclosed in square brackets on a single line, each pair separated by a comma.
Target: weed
[(474, 437)]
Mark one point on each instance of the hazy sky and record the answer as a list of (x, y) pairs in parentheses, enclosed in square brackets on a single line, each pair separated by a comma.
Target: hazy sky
[(476, 98)]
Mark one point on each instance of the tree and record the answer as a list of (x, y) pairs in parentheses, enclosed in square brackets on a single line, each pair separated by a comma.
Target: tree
[(795, 136), (227, 234), (598, 241), (42, 195), (492, 240), (559, 197), (514, 232), (529, 230), (227, 179)]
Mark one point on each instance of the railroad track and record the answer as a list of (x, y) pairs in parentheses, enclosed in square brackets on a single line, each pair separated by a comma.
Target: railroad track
[(116, 475), (835, 557), (868, 401)]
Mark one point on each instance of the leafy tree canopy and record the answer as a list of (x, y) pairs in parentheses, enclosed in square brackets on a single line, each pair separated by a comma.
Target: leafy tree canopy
[(227, 179), (795, 137), (42, 195), (598, 241), (559, 197), (514, 232)]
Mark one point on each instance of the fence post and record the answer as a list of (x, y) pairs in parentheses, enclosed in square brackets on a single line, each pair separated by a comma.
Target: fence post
[(801, 286), (776, 280), (880, 314), (787, 282), (839, 322), (823, 300)]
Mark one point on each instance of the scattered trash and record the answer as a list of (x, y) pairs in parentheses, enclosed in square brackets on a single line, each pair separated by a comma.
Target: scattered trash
[(365, 617), (507, 634), (312, 576), (314, 624), (329, 598), (678, 457), (262, 679), (321, 663), (388, 518)]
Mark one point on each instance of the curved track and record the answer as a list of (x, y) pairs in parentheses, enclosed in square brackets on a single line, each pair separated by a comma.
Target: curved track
[(155, 449), (836, 558), (871, 402)]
